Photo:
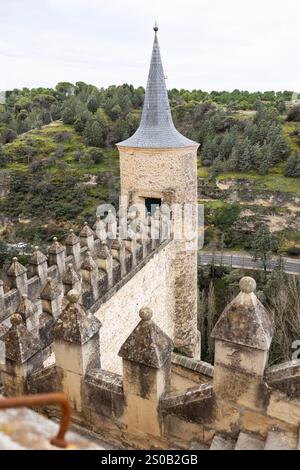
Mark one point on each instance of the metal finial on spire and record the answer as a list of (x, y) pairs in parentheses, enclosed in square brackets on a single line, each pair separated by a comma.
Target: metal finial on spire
[(155, 26)]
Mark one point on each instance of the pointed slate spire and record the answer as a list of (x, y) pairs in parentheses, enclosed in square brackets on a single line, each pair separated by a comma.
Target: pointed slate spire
[(156, 129)]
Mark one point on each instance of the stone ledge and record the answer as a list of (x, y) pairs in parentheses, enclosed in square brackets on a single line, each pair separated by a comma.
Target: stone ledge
[(201, 367), (285, 377), (44, 381), (106, 380), (283, 371), (186, 397)]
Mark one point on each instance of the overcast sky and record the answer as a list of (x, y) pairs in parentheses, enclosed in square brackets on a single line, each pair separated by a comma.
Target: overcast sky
[(207, 44)]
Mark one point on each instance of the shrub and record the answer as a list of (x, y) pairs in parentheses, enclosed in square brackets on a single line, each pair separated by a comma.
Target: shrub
[(293, 251), (96, 155), (77, 155), (63, 136), (292, 168), (59, 151), (294, 114)]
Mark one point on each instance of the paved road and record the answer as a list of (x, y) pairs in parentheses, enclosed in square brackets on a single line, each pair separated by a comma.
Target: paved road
[(234, 260)]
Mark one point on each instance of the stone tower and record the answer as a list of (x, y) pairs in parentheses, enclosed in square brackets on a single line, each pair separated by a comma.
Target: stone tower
[(158, 166)]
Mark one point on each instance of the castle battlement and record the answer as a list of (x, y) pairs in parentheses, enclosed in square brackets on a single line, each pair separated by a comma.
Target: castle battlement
[(111, 321), (239, 402)]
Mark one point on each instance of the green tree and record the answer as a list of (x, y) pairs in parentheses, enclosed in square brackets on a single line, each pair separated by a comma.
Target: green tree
[(245, 161), (45, 102), (81, 121), (266, 158), (211, 318), (294, 114), (263, 245), (233, 161), (292, 168), (93, 134), (69, 113), (280, 149), (96, 155), (4, 252), (256, 155), (115, 112), (224, 217), (93, 104), (3, 158), (65, 89)]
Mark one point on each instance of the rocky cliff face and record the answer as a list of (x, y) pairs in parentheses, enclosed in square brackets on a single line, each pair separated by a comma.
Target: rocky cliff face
[(279, 210)]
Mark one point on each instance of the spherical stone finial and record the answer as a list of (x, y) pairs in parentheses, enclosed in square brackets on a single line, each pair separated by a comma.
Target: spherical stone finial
[(24, 296), (247, 285), (16, 319), (36, 248), (15, 259), (71, 230), (49, 279), (155, 27), (73, 296), (85, 223), (70, 266), (145, 314)]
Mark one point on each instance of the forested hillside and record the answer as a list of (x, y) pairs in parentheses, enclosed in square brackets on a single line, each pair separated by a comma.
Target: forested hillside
[(58, 160)]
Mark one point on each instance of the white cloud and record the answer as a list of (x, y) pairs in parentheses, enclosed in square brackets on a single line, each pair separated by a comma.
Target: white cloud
[(207, 44)]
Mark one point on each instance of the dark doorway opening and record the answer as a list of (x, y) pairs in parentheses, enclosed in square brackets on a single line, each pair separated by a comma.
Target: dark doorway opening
[(151, 204)]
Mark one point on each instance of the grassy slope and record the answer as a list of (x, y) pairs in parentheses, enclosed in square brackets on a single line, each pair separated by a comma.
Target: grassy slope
[(274, 181), (43, 141)]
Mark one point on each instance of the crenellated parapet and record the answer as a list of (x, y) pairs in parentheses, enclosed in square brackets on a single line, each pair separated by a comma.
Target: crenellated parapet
[(87, 262), (239, 403)]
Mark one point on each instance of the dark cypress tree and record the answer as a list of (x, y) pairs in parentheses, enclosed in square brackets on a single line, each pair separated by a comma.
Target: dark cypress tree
[(94, 134), (292, 168), (266, 158), (245, 163)]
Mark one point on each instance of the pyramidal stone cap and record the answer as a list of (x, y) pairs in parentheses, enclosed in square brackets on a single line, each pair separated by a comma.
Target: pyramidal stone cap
[(74, 325), (72, 239), (37, 257), (56, 247), (16, 268), (26, 308), (88, 263), (51, 290), (86, 231), (147, 344), (245, 320), (70, 276), (156, 128), (20, 344)]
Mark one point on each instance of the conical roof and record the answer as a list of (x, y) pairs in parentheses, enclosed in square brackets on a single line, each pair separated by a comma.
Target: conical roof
[(156, 128)]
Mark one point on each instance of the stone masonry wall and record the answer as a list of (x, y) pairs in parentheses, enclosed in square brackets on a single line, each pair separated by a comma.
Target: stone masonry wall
[(152, 286), (171, 175)]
